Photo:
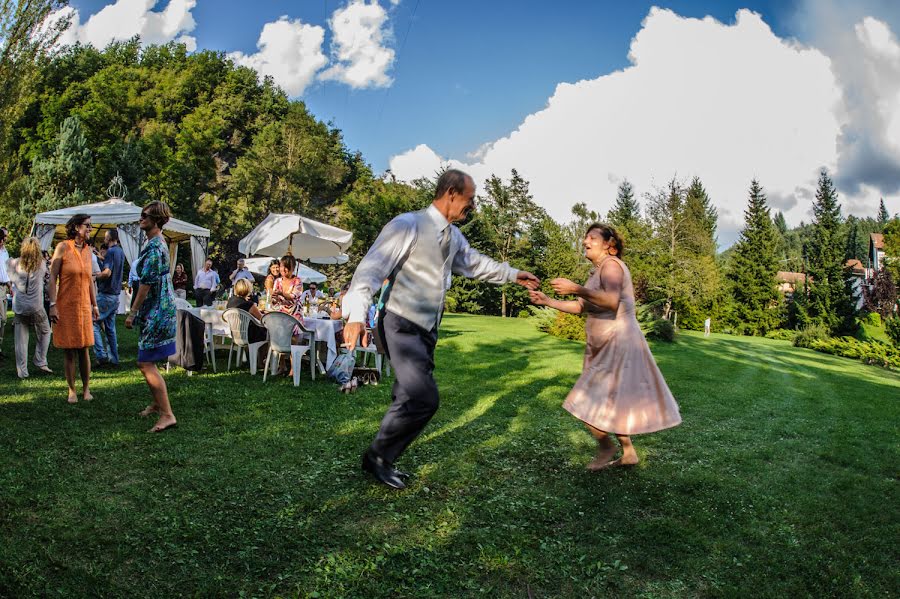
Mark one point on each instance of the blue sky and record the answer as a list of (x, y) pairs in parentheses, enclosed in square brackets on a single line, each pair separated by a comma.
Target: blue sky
[(578, 95), (466, 74)]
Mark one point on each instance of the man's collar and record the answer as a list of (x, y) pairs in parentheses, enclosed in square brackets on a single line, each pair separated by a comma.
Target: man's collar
[(437, 218)]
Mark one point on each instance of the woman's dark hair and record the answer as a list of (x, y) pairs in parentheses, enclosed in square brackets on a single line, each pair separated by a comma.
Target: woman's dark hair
[(159, 212), (75, 221), (274, 262), (289, 262), (611, 236)]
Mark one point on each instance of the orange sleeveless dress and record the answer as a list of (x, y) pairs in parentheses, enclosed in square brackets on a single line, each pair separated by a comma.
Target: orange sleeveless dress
[(75, 328)]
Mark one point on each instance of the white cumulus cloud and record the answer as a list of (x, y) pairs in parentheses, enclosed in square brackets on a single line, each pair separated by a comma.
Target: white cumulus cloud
[(124, 19), (360, 34), (290, 52), (723, 102)]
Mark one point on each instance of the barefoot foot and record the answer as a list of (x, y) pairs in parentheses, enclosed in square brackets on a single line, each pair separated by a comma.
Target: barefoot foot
[(151, 409), (623, 461), (604, 455), (164, 423), (87, 396), (73, 398)]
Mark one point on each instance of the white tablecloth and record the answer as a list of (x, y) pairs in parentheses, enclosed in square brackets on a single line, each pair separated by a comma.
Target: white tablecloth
[(325, 330), (124, 302), (213, 319)]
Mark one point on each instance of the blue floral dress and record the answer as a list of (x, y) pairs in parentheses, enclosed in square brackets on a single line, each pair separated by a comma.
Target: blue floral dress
[(156, 316)]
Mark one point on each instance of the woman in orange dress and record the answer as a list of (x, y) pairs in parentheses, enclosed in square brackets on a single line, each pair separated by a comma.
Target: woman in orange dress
[(73, 305), (621, 390)]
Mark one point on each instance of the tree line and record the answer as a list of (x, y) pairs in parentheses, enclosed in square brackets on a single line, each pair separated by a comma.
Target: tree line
[(225, 148)]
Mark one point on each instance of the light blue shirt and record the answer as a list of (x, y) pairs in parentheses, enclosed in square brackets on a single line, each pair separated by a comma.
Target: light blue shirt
[(206, 279)]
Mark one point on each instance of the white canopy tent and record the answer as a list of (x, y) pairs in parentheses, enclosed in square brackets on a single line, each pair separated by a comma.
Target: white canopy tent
[(303, 238), (123, 216), (260, 266)]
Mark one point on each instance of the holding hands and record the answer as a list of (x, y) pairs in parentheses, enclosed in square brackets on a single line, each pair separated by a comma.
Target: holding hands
[(527, 280), (565, 286)]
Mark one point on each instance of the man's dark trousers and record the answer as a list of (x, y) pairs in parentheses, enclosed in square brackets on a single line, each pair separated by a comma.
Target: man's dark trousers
[(410, 348)]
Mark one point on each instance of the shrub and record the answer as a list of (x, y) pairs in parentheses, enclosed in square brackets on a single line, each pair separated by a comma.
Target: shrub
[(892, 328), (543, 316), (568, 326), (450, 303), (781, 334), (874, 352), (814, 332), (660, 329), (872, 319)]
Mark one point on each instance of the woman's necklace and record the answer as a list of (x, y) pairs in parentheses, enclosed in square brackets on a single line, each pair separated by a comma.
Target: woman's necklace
[(79, 245)]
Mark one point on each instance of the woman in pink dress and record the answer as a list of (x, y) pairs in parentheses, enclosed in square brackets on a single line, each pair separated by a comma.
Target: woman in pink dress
[(621, 390), (287, 289)]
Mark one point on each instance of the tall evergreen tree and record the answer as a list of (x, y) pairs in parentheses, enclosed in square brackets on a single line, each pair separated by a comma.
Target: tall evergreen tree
[(828, 300), (701, 219), (883, 216), (626, 211), (63, 178), (754, 265)]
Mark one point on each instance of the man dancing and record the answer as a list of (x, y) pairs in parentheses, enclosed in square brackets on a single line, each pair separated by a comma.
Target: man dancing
[(416, 252)]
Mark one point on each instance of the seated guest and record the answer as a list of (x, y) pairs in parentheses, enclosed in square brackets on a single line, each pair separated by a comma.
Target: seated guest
[(312, 295), (287, 289), (241, 300)]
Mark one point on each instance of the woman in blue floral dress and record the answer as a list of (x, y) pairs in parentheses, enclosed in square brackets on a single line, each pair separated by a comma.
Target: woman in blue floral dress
[(153, 310)]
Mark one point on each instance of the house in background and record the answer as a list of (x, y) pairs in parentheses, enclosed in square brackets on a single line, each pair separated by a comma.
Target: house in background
[(858, 275), (789, 282), (876, 254)]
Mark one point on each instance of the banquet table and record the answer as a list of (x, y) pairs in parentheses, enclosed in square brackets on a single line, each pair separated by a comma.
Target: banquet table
[(325, 330), (215, 325)]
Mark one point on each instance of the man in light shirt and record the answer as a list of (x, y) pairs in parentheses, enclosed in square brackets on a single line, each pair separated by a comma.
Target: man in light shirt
[(205, 284), (4, 285), (241, 272), (311, 295), (417, 252)]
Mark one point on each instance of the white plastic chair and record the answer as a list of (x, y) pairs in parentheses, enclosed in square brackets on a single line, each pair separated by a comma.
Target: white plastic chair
[(372, 349), (239, 321), (182, 304), (281, 329)]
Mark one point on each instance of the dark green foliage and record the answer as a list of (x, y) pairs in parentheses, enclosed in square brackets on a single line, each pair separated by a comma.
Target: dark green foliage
[(781, 335), (892, 328), (810, 334), (868, 352), (883, 216), (753, 267), (661, 330), (626, 212), (220, 147), (828, 300)]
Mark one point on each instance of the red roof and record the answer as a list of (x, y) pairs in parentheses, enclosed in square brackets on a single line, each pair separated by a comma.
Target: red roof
[(856, 266), (790, 277), (878, 240)]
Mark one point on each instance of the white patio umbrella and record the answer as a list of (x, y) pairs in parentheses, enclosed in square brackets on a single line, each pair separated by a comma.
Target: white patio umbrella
[(304, 238), (260, 266)]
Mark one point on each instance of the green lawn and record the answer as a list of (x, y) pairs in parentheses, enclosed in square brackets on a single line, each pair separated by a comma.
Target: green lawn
[(782, 481)]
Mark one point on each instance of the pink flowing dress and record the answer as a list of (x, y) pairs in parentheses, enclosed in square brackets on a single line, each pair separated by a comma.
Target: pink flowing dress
[(620, 390)]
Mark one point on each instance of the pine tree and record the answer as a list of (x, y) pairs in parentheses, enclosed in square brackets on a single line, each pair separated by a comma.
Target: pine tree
[(754, 265), (701, 218), (64, 178), (626, 211), (828, 300), (851, 245), (883, 216)]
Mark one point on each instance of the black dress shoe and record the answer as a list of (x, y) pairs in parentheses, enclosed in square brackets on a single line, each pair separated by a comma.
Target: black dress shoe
[(382, 471)]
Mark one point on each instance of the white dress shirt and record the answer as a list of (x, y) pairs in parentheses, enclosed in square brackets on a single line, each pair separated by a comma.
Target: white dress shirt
[(4, 256), (394, 243), (312, 297)]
